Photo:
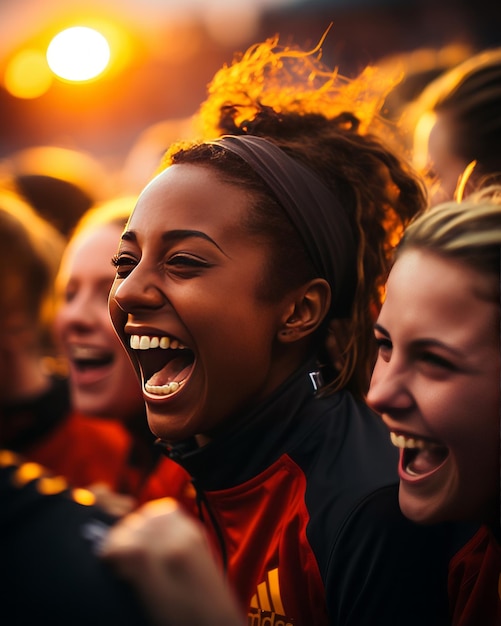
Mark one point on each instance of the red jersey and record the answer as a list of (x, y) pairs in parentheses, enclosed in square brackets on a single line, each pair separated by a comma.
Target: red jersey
[(44, 429), (475, 582), (85, 450), (169, 479)]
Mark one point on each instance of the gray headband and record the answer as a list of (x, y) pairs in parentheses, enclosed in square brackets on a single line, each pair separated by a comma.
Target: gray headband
[(312, 208)]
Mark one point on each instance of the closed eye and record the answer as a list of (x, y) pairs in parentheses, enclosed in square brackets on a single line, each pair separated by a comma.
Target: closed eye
[(186, 265), (434, 359), (383, 342), (186, 260), (384, 347)]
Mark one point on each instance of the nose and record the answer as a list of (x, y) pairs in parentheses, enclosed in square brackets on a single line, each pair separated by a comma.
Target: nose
[(138, 290), (389, 391), (81, 311)]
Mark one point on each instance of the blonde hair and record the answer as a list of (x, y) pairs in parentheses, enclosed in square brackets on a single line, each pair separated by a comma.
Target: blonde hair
[(468, 96), (115, 211), (469, 231)]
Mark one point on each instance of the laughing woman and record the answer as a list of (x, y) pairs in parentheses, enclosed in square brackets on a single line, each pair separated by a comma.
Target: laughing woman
[(102, 382), (436, 384), (244, 259), (36, 416)]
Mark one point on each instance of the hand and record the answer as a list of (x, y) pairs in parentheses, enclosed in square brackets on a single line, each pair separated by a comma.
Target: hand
[(164, 554)]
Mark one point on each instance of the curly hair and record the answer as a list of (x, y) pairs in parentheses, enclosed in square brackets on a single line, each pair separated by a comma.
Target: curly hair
[(323, 121)]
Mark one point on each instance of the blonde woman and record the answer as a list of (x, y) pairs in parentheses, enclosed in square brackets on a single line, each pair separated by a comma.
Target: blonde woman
[(436, 385)]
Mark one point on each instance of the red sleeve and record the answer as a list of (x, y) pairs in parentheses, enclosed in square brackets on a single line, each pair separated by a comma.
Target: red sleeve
[(85, 450)]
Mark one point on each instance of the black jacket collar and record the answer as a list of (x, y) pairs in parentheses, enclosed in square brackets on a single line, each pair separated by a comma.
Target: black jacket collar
[(254, 442)]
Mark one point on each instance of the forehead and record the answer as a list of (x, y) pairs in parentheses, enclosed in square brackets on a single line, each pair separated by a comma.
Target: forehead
[(189, 196), (427, 293), (88, 249)]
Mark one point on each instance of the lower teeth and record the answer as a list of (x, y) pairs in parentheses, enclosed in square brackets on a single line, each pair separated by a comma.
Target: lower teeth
[(410, 472), (162, 390)]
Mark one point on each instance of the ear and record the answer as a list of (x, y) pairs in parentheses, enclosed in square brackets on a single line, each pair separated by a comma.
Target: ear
[(306, 311)]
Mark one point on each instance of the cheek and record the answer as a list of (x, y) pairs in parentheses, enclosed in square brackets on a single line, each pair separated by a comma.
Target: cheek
[(59, 321), (236, 355), (117, 316), (464, 416), (112, 338), (61, 325), (246, 329), (375, 385), (104, 319)]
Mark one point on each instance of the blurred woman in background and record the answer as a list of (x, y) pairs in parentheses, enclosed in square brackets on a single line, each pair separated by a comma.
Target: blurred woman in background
[(36, 417)]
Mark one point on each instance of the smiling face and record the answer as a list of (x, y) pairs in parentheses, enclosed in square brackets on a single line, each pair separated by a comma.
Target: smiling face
[(436, 384), (187, 304), (434, 148), (102, 379), (446, 163)]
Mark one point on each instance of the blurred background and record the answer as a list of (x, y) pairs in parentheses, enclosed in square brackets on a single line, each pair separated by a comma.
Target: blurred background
[(159, 56)]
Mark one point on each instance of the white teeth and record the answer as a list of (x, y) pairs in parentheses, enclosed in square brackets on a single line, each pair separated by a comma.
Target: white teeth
[(410, 472), (144, 342), (162, 390), (86, 352), (400, 441)]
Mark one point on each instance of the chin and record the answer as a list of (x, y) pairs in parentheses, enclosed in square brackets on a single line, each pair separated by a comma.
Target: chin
[(169, 428), (421, 511), (89, 406)]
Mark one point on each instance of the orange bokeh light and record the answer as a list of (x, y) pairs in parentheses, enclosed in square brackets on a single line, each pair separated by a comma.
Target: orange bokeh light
[(27, 74)]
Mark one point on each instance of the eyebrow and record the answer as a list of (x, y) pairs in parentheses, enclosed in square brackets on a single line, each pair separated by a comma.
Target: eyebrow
[(382, 330), (174, 236), (424, 342)]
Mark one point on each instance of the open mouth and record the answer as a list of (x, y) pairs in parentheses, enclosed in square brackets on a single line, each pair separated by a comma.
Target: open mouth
[(85, 358), (419, 456), (165, 363)]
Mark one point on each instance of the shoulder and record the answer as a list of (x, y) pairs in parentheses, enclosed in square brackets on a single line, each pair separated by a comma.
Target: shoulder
[(475, 579), (49, 536), (403, 565), (345, 442), (85, 450), (96, 434), (35, 498)]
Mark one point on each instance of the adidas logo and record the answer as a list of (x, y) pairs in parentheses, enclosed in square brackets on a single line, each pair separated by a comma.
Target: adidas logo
[(266, 607), (265, 618)]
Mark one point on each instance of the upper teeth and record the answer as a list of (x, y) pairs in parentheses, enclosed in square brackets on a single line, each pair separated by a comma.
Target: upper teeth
[(86, 352), (400, 441), (144, 342)]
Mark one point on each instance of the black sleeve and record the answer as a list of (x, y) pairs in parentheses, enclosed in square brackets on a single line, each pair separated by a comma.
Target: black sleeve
[(387, 570), (49, 570)]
